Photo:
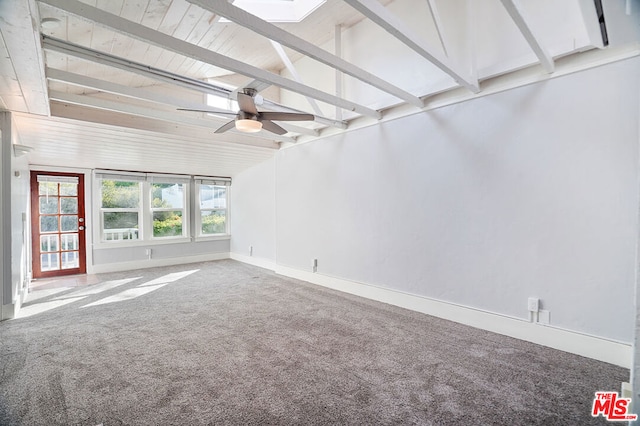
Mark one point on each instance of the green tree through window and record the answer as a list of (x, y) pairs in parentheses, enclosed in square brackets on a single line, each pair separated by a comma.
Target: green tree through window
[(120, 204), (167, 206), (120, 195)]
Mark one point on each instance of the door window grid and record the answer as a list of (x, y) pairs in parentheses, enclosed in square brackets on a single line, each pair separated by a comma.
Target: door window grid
[(58, 208)]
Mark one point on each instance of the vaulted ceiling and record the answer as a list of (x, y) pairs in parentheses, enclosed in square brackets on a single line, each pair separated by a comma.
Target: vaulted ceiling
[(98, 83)]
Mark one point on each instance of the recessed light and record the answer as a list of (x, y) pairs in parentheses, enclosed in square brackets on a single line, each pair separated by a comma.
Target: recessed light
[(50, 23)]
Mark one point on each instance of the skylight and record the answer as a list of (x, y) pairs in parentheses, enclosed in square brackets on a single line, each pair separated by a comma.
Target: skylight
[(279, 10)]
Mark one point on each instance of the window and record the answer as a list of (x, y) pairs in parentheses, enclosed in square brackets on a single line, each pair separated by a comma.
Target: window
[(168, 209), (212, 207), (143, 208), (279, 10), (120, 209), (221, 103)]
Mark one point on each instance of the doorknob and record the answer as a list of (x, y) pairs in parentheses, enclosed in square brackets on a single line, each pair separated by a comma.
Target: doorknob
[(81, 228)]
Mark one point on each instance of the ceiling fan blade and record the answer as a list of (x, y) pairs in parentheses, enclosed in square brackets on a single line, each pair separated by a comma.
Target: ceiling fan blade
[(286, 116), (273, 127), (246, 103), (210, 111), (226, 127)]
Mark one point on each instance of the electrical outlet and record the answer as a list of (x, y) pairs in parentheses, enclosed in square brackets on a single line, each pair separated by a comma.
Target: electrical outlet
[(533, 304)]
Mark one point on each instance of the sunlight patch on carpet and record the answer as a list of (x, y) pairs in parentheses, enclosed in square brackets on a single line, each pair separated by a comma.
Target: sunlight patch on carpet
[(38, 308), (98, 288), (132, 293), (169, 278)]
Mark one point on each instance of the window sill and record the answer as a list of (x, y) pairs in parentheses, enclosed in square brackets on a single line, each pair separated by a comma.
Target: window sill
[(140, 243), (212, 238), (155, 242)]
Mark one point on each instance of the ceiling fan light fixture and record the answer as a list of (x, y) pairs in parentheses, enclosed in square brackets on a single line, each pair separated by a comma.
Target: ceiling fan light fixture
[(248, 126)]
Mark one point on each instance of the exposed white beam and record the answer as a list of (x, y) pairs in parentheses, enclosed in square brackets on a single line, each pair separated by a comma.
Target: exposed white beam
[(273, 106), (157, 38), (256, 85), (377, 13), (433, 9), (337, 40), (272, 32), (591, 22), (543, 55), (85, 53), (471, 38), (292, 69), (84, 113), (150, 113), (142, 94), (298, 129), (88, 54), (118, 89)]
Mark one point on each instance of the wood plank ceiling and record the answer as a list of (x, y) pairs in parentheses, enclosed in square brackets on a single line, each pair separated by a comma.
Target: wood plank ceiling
[(97, 83)]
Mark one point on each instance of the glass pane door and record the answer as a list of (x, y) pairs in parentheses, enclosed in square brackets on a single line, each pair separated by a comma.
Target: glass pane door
[(57, 224)]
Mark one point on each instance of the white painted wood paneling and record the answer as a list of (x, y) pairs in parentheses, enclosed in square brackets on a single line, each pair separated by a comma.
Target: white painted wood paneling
[(23, 88), (94, 145)]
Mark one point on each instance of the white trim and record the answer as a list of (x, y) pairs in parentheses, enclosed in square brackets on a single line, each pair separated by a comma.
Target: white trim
[(490, 86), (216, 237), (158, 241), (145, 210), (617, 353), (255, 261), (119, 175), (212, 180), (199, 183), (153, 263), (131, 176), (89, 223)]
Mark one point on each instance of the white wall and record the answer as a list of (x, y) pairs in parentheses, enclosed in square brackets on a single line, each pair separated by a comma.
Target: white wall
[(20, 232), (5, 213), (126, 258), (253, 220), (14, 219), (531, 192)]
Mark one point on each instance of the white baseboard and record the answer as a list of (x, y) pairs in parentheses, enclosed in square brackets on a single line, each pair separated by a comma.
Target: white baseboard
[(152, 263), (11, 310), (255, 261), (613, 352), (8, 311)]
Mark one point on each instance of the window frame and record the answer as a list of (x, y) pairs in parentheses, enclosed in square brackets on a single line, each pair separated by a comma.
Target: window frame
[(185, 182), (100, 238), (144, 210), (199, 182)]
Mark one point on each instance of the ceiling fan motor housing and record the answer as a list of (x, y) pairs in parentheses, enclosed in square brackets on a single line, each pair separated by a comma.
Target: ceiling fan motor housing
[(244, 115)]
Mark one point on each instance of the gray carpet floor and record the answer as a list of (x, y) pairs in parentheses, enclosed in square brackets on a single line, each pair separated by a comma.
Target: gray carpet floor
[(228, 343)]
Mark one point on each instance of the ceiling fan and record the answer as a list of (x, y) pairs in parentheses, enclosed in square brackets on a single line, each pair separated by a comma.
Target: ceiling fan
[(250, 120)]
